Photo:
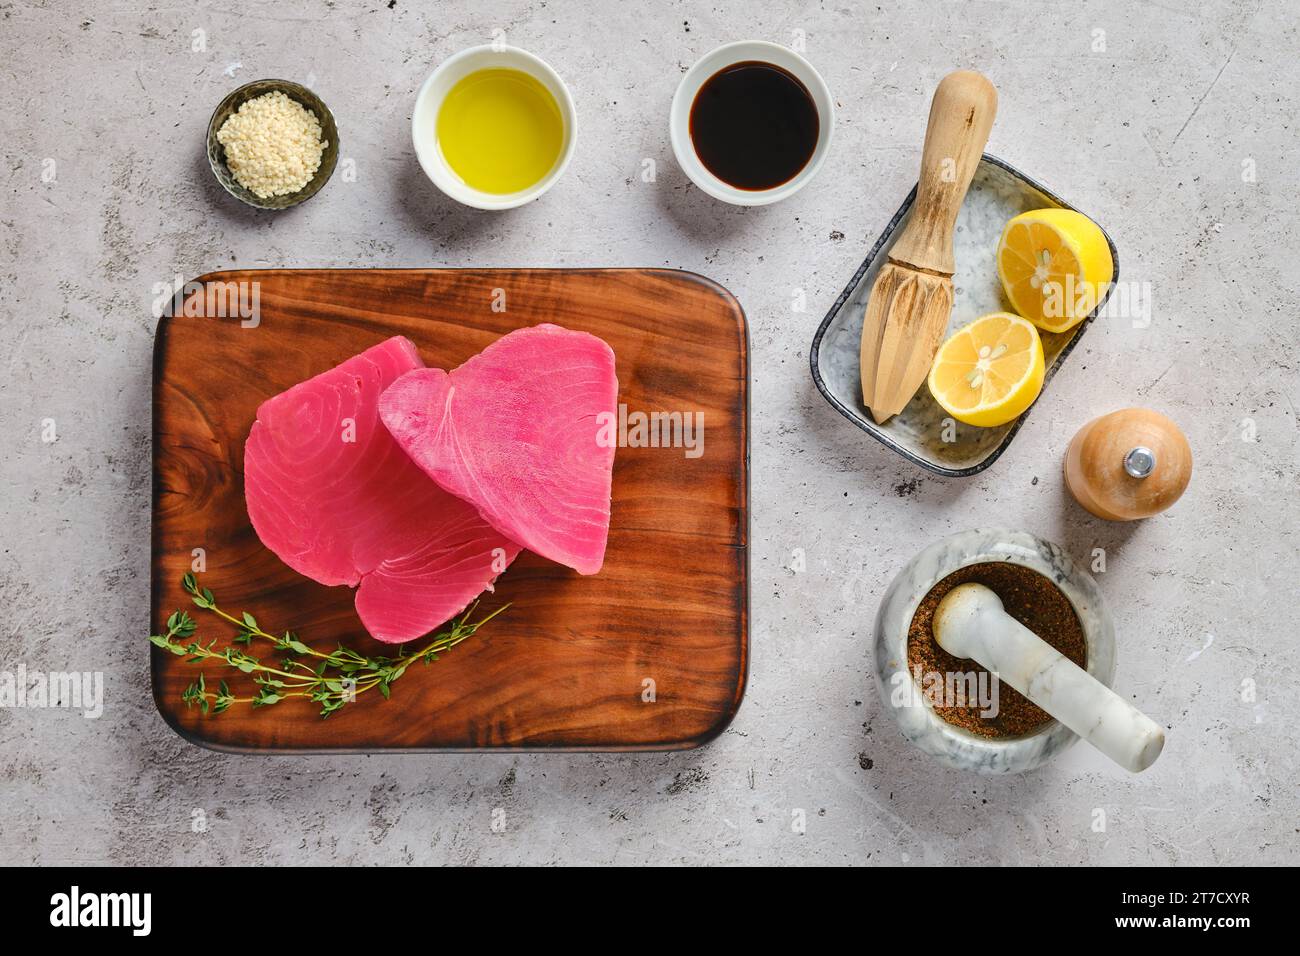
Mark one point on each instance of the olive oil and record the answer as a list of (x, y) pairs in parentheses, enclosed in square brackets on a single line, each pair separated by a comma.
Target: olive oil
[(500, 131)]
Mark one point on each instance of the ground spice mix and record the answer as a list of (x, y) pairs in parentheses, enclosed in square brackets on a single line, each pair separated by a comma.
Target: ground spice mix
[(1031, 599)]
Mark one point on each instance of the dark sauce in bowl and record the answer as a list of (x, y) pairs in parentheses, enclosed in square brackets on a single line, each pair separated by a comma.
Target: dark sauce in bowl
[(754, 125)]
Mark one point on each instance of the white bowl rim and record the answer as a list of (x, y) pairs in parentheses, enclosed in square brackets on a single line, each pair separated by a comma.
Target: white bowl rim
[(684, 148), (458, 190)]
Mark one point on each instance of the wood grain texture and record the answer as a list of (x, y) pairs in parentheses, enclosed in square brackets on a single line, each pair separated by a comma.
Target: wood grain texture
[(564, 668), (1094, 465), (911, 301), (961, 117)]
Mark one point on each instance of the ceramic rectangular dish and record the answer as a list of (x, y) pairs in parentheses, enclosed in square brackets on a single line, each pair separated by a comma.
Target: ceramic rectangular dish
[(997, 193)]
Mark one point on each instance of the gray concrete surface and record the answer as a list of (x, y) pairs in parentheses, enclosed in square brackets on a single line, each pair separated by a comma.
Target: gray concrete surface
[(1174, 124)]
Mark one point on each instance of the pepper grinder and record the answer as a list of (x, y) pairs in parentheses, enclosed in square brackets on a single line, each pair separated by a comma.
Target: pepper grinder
[(1129, 464)]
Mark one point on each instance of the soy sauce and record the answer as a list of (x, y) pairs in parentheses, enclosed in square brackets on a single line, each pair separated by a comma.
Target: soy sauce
[(754, 125)]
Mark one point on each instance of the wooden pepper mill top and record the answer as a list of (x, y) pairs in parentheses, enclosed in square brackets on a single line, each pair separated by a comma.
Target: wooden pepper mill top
[(1129, 464)]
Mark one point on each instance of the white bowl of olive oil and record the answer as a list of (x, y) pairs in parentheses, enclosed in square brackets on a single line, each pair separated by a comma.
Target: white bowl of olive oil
[(493, 127)]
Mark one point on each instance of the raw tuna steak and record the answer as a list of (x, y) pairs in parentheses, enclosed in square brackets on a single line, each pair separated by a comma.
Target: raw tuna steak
[(516, 430), (333, 495)]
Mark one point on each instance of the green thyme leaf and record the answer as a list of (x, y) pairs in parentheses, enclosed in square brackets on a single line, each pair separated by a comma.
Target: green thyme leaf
[(331, 679)]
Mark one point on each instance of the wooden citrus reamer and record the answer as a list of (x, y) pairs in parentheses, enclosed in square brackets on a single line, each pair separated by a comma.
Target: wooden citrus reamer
[(911, 299)]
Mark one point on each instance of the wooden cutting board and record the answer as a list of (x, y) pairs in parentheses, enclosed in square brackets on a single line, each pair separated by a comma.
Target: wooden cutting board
[(651, 653)]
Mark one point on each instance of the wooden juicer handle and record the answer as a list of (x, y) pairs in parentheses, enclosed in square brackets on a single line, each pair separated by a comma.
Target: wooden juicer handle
[(961, 115)]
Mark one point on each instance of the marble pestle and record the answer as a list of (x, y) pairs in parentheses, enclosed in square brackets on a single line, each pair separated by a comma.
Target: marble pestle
[(970, 622)]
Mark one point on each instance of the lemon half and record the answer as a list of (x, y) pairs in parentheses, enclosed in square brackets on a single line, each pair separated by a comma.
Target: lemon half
[(1055, 266), (990, 371)]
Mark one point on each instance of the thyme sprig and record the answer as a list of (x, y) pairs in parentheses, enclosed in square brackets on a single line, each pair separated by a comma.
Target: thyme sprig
[(331, 679)]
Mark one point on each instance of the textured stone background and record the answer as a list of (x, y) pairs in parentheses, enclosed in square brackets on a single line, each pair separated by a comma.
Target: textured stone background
[(1151, 134)]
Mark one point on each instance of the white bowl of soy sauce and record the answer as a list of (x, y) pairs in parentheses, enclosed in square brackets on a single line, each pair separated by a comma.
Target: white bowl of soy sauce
[(751, 123)]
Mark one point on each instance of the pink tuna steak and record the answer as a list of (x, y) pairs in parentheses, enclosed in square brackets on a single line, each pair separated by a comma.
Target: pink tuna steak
[(332, 494), (517, 430)]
